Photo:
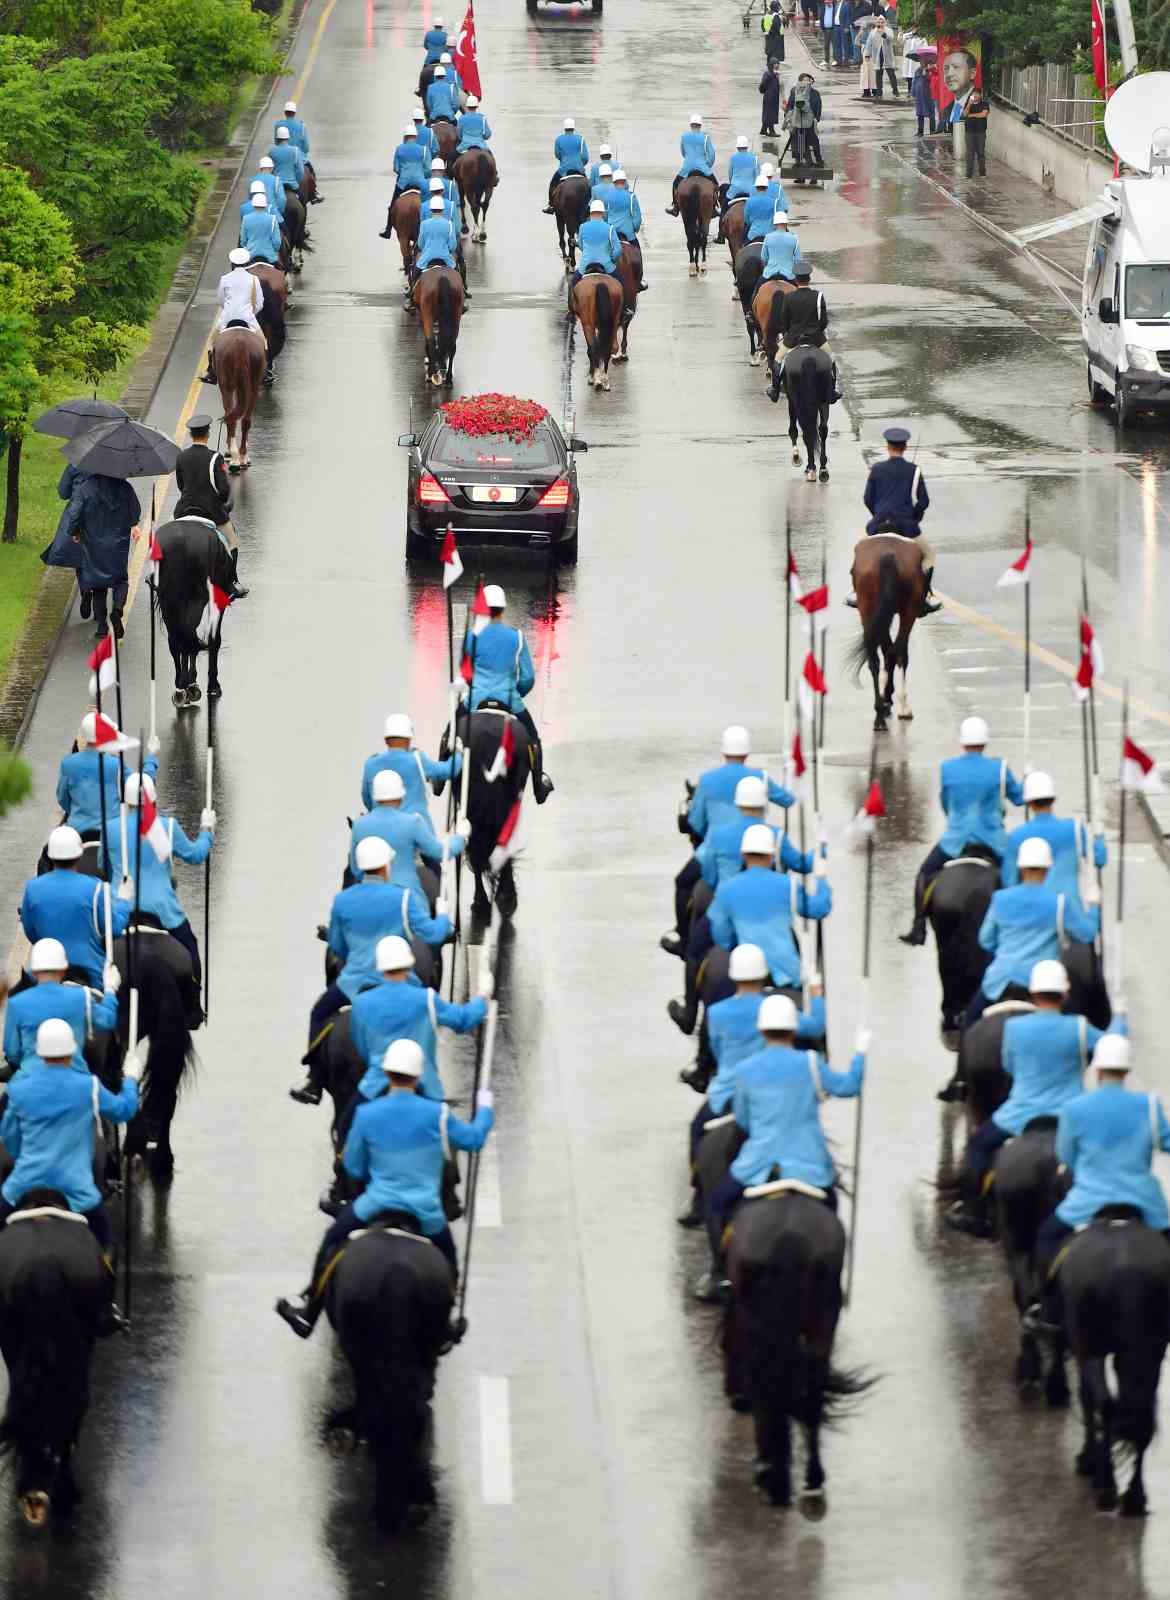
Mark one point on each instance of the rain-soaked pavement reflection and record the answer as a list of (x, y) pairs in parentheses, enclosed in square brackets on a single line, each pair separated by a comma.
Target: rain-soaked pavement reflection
[(203, 1462)]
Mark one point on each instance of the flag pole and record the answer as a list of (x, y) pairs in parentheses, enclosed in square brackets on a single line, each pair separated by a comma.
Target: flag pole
[(208, 770), (1117, 942), (1027, 639), (816, 756), (121, 756), (97, 679), (132, 1034), (857, 1124), (787, 734), (483, 1079)]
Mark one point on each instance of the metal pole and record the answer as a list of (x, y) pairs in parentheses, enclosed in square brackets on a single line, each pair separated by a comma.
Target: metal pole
[(1027, 640), (125, 854), (102, 781), (787, 632), (1117, 944), (132, 1034), (857, 1125), (483, 1078), (209, 765)]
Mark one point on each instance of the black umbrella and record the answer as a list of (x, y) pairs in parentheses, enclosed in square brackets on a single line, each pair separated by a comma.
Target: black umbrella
[(72, 417), (122, 449)]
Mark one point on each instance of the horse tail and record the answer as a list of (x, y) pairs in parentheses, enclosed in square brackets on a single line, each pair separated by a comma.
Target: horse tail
[(48, 1387), (171, 1057), (772, 331), (690, 212), (776, 1358), (443, 328), (808, 393), (273, 317), (879, 622), (604, 324)]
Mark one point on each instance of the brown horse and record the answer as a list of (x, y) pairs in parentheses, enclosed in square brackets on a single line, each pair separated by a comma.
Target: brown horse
[(294, 228), (308, 188), (629, 270), (597, 303), (695, 198), (570, 200), (768, 291), (733, 231), (475, 173), (446, 139), (438, 294), (271, 315), (240, 359), (404, 219), (890, 584)]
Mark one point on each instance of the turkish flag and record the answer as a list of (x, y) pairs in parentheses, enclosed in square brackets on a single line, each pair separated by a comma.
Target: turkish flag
[(464, 54), (1100, 71)]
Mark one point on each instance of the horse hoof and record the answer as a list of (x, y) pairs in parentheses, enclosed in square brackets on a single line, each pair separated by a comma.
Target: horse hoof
[(214, 692), (755, 358), (1084, 1464), (1107, 1499), (605, 383), (34, 1508), (694, 271), (796, 458), (810, 477), (179, 697), (234, 467), (1133, 1505), (813, 1505), (824, 474), (880, 725), (506, 902), (194, 695), (905, 716)]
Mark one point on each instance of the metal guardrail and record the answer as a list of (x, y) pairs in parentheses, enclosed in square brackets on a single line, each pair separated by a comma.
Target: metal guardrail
[(1061, 98)]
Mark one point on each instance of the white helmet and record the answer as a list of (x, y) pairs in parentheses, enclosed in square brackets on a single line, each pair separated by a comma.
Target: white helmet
[(472, 101), (398, 726), (409, 130), (48, 955), (438, 164), (758, 840), (445, 59), (605, 150), (696, 120), (1038, 786), (768, 169), (65, 844), (260, 199), (257, 186), (393, 954), (55, 1039), (388, 785), (605, 170), (281, 132), (597, 206), (130, 792), (777, 1014), (440, 72), (742, 142), (418, 114), (404, 1058), (751, 793), (619, 175), (239, 257), (373, 854), (435, 186), (780, 218), (88, 731), (267, 163), (1112, 1052), (437, 203), (1048, 977), (748, 964), (1034, 853), (291, 107), (973, 731), (760, 181), (569, 125), (437, 23), (495, 597), (736, 741)]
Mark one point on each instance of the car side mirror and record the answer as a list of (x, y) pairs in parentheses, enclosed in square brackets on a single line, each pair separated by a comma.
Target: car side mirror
[(407, 440), (577, 445), (1105, 310)]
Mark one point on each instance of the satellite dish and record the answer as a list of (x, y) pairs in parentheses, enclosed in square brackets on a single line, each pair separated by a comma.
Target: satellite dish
[(1139, 110)]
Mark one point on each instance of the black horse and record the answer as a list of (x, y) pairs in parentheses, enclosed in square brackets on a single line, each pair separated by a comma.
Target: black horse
[(493, 808), (54, 1287), (956, 903), (748, 268), (785, 1260), (168, 1011), (808, 384), (979, 1076), (193, 556), (389, 1300), (1028, 1185), (1115, 1288)]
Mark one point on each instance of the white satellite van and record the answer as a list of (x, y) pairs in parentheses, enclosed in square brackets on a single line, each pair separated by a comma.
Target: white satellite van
[(1125, 298), (1125, 292)]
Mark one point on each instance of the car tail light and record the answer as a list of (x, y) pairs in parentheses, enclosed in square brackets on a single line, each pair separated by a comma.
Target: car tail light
[(431, 491), (555, 497)]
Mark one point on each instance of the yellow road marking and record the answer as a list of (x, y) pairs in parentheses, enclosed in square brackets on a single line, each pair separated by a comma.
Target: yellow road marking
[(1048, 657)]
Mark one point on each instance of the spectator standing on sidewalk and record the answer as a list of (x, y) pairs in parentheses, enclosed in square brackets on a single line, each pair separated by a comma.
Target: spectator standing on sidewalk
[(923, 96), (770, 87), (973, 114), (772, 24), (880, 49)]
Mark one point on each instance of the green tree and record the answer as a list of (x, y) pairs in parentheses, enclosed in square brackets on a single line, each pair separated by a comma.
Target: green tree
[(210, 45), (15, 781)]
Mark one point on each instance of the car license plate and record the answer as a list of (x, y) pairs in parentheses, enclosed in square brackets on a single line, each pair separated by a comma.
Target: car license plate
[(494, 494)]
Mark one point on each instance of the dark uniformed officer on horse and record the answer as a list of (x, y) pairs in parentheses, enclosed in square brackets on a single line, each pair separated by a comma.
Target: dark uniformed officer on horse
[(205, 491), (896, 498)]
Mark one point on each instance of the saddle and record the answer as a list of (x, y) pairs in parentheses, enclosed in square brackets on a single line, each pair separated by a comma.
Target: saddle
[(1114, 1216), (238, 322)]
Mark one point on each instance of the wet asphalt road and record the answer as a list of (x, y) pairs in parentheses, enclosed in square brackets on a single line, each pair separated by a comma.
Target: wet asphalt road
[(582, 1438)]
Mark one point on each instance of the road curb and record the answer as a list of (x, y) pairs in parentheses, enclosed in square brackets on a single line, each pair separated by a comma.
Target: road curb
[(33, 653)]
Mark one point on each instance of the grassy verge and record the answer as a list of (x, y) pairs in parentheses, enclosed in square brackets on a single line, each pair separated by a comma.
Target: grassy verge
[(21, 569)]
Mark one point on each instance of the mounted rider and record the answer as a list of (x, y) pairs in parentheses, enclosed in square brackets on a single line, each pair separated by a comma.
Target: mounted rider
[(713, 801), (1045, 1053), (453, 77), (410, 170), (273, 188), (414, 768), (287, 160), (624, 215), (720, 855), (473, 128), (896, 498), (502, 675), (430, 145), (572, 155), (759, 212), (441, 99), (1106, 1138), (599, 248), (201, 476), (158, 902), (408, 834), (435, 41), (602, 188), (397, 1147), (698, 157), (804, 319), (260, 232), (86, 1013), (299, 134), (436, 188), (1029, 923), (81, 778), (449, 189), (776, 1102), (72, 907), (742, 171), (1068, 838), (605, 158), (240, 297), (973, 789), (438, 242), (759, 906), (781, 249)]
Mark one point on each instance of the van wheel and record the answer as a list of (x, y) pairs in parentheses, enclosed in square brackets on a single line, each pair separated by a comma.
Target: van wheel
[(1097, 395), (1124, 407)]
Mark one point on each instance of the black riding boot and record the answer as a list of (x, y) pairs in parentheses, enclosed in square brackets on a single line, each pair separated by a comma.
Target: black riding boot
[(917, 934), (542, 784), (116, 623), (672, 208), (301, 1315), (929, 607), (836, 394), (209, 376), (238, 592)]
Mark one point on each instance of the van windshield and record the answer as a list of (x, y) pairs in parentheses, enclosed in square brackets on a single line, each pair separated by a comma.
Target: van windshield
[(1147, 292)]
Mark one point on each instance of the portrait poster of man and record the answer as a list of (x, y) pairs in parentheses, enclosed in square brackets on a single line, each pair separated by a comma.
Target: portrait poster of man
[(960, 71)]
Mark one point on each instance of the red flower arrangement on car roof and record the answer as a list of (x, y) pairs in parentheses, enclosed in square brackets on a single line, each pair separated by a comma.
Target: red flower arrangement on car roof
[(483, 414)]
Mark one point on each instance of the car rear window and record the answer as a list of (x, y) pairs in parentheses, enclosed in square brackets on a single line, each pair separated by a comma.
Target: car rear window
[(455, 449)]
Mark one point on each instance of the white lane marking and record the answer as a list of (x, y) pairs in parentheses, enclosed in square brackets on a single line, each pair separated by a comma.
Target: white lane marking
[(488, 1207), (495, 1442)]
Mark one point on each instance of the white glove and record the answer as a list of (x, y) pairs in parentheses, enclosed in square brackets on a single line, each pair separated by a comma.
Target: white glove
[(153, 745), (126, 888), (463, 829), (820, 868), (816, 984), (459, 689), (440, 907), (1120, 1006), (111, 978), (487, 984), (207, 819), (1092, 894), (132, 1069), (484, 1100), (823, 841), (862, 1041)]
